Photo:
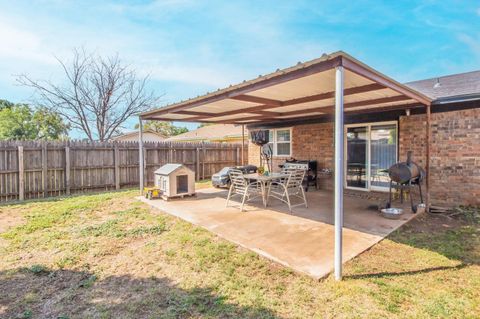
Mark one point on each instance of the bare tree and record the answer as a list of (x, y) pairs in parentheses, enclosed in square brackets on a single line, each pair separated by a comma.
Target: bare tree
[(98, 96)]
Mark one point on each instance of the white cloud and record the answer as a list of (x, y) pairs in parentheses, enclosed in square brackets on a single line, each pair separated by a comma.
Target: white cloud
[(21, 44), (473, 43), (155, 37)]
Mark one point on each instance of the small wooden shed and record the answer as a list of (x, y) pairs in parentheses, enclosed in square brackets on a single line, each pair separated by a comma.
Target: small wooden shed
[(175, 180)]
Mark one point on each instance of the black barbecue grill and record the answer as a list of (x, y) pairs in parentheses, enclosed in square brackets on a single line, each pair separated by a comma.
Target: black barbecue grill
[(309, 166), (403, 176)]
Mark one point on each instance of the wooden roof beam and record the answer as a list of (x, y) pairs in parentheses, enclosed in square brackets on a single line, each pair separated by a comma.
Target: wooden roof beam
[(201, 115), (266, 115), (329, 109), (329, 95), (364, 111), (257, 99), (260, 109), (388, 108)]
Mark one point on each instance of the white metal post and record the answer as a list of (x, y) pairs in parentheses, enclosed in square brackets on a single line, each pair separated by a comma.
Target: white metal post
[(243, 144), (339, 144), (140, 154)]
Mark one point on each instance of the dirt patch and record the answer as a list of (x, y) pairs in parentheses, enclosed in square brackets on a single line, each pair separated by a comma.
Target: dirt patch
[(9, 219), (435, 222), (442, 222)]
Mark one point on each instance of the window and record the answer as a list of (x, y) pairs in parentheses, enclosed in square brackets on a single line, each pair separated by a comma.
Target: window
[(280, 142)]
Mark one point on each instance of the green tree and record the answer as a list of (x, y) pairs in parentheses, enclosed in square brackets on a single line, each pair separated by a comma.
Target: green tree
[(164, 128), (20, 121), (49, 125), (5, 104)]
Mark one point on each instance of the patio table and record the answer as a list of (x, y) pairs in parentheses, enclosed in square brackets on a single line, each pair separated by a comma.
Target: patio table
[(264, 181)]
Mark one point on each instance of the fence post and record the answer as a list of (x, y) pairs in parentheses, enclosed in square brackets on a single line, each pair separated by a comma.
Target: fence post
[(21, 175), (116, 159), (67, 170), (197, 163), (44, 169), (145, 167), (204, 153), (237, 156)]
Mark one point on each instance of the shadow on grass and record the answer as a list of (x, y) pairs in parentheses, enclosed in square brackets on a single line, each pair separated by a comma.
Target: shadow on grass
[(404, 273), (456, 239), (40, 293)]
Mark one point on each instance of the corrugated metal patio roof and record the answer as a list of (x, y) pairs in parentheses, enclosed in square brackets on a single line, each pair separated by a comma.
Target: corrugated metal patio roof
[(305, 90)]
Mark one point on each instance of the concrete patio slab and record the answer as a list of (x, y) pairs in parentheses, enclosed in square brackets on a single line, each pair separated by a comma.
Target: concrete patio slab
[(303, 240)]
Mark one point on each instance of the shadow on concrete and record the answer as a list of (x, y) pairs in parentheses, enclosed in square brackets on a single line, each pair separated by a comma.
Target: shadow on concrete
[(42, 293)]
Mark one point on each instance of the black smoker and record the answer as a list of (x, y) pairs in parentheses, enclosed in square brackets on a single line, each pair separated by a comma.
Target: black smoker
[(403, 176)]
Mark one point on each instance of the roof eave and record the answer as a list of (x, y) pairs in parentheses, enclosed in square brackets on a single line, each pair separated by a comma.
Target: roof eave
[(457, 99)]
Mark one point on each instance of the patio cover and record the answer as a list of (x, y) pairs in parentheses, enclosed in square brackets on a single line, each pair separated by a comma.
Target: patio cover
[(306, 90), (332, 84)]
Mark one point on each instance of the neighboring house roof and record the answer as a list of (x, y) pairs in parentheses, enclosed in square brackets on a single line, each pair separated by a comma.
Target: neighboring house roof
[(210, 132), (169, 168), (455, 85), (134, 134)]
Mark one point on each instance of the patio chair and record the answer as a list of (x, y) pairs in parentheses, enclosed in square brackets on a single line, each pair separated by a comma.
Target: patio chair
[(291, 187), (240, 186), (285, 171)]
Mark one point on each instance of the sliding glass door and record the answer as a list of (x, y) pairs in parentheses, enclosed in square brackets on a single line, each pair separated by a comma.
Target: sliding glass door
[(383, 153), (370, 150), (357, 141)]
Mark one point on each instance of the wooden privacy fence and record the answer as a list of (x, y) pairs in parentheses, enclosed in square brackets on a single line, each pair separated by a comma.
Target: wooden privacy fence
[(33, 169)]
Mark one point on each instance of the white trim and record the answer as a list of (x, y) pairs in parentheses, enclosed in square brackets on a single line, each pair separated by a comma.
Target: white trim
[(274, 142), (368, 125)]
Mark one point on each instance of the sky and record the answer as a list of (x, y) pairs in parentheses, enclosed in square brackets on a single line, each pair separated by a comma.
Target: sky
[(191, 47)]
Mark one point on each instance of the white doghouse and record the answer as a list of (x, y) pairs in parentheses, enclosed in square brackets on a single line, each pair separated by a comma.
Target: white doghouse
[(175, 180)]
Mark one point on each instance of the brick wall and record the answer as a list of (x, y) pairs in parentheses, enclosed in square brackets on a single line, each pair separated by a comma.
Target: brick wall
[(253, 153), (311, 141), (455, 152), (314, 142)]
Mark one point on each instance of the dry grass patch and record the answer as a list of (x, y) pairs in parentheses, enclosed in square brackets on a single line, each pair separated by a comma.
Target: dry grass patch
[(110, 256)]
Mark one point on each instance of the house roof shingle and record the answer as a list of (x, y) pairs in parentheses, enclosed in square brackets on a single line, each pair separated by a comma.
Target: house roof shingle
[(449, 86), (209, 132), (135, 133)]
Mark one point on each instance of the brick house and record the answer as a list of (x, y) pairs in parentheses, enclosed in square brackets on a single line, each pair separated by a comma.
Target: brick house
[(438, 119), (455, 138)]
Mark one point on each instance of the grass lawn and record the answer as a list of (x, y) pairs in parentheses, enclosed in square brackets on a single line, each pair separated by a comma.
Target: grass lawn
[(110, 256)]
